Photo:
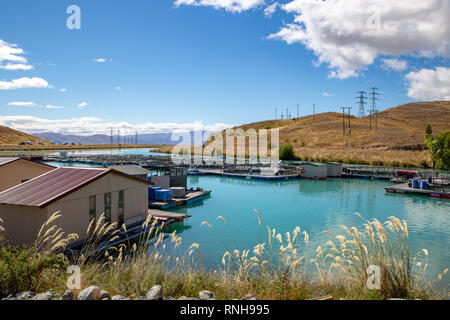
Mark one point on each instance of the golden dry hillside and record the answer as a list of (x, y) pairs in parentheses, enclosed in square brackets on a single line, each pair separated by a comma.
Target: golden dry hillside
[(397, 141), (11, 137), (397, 127)]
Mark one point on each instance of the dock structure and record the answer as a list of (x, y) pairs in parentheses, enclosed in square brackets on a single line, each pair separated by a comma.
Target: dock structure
[(405, 188), (190, 197), (249, 175), (160, 220)]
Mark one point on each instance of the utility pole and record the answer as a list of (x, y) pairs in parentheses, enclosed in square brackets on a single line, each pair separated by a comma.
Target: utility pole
[(362, 103), (314, 111), (111, 137), (276, 113), (349, 121), (343, 120), (136, 139), (374, 99), (298, 111), (118, 136)]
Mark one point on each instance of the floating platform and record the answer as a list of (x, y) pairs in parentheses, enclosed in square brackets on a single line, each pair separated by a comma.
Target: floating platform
[(365, 176), (191, 196), (245, 176), (405, 188), (133, 232)]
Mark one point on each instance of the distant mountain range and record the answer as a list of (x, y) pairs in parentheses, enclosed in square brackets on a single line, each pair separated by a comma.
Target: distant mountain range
[(147, 138)]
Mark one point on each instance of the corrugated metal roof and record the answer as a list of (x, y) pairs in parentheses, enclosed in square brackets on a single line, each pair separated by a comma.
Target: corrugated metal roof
[(4, 161), (52, 186), (7, 160), (130, 169)]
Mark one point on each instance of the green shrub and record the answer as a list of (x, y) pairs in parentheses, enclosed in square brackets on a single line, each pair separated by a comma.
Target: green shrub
[(20, 271), (287, 152)]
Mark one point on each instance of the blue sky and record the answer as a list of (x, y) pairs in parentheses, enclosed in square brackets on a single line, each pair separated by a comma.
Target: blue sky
[(170, 63)]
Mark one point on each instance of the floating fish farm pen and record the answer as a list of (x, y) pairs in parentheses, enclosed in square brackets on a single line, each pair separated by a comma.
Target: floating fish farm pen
[(334, 170), (314, 171), (161, 221), (169, 188), (437, 187)]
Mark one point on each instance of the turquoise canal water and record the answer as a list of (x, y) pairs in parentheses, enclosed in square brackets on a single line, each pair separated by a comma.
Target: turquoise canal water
[(314, 206)]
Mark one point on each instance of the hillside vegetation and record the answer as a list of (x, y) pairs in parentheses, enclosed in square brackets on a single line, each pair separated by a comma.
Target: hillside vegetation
[(398, 140), (10, 136), (401, 126)]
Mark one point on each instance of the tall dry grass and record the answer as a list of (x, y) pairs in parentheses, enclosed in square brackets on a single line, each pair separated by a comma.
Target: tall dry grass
[(281, 267)]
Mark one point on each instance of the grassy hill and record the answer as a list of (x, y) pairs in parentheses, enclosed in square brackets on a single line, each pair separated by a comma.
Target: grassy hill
[(397, 141), (401, 126), (13, 137)]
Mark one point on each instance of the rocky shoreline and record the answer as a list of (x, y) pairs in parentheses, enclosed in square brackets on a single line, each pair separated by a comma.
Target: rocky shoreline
[(95, 293)]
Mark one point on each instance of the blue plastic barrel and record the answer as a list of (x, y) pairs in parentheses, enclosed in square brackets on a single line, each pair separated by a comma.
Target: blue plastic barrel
[(415, 184), (423, 185)]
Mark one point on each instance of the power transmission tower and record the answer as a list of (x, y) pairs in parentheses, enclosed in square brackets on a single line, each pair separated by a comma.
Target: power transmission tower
[(362, 97), (314, 111), (276, 113), (136, 139), (118, 136), (298, 111), (111, 137), (374, 99)]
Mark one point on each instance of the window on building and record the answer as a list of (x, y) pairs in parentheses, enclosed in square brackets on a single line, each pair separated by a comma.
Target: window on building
[(107, 207), (92, 214), (121, 207)]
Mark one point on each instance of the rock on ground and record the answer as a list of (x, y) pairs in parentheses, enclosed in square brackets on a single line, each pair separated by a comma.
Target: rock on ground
[(90, 293), (250, 297), (155, 293), (27, 295), (44, 296), (68, 295), (187, 298), (206, 295), (104, 295)]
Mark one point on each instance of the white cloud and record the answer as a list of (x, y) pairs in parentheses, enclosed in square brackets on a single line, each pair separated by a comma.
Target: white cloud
[(10, 52), (117, 88), (16, 66), (100, 60), (235, 6), (270, 10), (341, 33), (93, 125), (49, 106), (429, 84), (326, 94), (62, 90), (22, 104), (83, 104), (24, 83), (394, 64)]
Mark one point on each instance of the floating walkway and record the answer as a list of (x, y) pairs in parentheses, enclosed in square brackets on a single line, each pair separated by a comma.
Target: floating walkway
[(133, 232), (244, 175), (191, 196), (405, 188)]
